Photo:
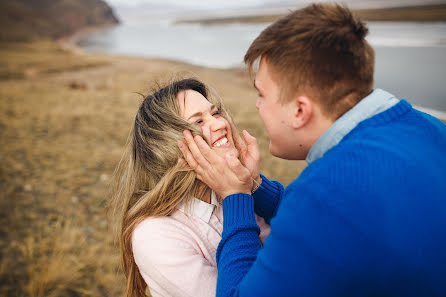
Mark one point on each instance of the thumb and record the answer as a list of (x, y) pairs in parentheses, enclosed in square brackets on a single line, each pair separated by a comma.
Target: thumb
[(253, 147), (249, 138), (237, 168)]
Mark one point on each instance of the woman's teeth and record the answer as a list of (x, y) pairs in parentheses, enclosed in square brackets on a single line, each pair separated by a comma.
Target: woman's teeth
[(221, 142)]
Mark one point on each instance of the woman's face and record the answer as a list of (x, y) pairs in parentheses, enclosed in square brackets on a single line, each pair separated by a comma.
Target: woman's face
[(196, 109)]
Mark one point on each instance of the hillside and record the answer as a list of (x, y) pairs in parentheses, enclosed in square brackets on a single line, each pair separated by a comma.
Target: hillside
[(27, 20), (421, 13)]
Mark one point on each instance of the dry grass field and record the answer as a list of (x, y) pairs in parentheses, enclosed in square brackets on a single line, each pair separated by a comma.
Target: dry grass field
[(64, 119)]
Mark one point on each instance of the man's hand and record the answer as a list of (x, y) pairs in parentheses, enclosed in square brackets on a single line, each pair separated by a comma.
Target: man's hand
[(225, 176), (249, 154)]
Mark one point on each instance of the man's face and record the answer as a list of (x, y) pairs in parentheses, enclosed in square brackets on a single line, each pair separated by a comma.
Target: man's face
[(273, 113)]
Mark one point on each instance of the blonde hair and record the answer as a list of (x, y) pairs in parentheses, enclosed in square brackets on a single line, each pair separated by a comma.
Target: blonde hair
[(149, 181)]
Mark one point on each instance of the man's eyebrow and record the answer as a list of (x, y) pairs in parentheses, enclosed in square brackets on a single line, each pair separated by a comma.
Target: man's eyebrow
[(199, 113)]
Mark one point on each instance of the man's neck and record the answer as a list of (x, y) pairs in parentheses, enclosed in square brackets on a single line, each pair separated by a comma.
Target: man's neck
[(374, 103)]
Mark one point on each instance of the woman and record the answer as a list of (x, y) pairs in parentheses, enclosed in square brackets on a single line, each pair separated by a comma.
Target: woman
[(171, 223)]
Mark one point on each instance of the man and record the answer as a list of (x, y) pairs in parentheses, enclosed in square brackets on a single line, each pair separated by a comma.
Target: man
[(367, 217)]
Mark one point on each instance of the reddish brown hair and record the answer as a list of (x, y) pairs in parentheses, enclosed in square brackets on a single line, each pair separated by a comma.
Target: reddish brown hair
[(319, 51)]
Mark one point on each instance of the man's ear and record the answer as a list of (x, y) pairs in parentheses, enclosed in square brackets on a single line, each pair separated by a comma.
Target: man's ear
[(302, 111)]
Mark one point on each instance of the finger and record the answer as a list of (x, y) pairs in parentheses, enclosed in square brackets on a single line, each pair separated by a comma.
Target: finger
[(211, 156), (253, 146), (195, 151), (237, 168), (182, 163), (187, 155), (238, 141)]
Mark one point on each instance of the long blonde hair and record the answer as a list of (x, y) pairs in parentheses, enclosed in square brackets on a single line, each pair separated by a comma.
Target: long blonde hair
[(149, 181)]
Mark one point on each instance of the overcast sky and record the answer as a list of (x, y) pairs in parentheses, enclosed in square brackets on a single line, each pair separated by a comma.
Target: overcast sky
[(195, 3), (227, 4)]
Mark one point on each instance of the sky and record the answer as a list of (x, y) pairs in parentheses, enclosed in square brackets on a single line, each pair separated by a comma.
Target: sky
[(228, 4), (205, 4)]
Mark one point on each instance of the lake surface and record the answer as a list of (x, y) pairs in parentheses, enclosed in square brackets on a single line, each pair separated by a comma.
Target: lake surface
[(410, 57)]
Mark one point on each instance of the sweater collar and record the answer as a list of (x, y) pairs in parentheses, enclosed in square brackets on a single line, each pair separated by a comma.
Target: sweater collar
[(199, 208), (376, 102)]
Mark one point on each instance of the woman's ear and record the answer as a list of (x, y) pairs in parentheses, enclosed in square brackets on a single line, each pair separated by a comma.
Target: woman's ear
[(302, 111)]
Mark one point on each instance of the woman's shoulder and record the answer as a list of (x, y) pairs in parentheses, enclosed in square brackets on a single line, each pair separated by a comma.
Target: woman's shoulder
[(173, 230), (154, 227), (156, 238)]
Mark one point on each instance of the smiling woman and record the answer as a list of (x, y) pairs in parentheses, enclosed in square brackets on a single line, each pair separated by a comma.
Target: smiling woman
[(216, 128), (171, 223)]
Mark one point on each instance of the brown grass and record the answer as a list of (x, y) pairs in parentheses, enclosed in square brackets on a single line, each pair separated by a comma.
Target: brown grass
[(64, 119)]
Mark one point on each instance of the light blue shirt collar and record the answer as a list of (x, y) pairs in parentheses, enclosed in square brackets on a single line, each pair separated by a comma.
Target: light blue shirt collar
[(376, 102)]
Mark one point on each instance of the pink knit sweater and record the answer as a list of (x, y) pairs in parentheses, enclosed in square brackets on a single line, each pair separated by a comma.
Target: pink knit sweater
[(176, 254)]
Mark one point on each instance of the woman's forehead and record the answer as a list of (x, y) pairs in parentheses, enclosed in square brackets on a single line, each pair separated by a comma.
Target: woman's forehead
[(191, 101)]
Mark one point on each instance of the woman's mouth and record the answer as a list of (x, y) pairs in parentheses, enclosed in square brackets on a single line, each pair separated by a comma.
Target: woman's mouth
[(222, 142)]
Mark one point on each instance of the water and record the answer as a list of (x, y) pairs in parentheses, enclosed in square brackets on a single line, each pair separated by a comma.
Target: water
[(410, 57)]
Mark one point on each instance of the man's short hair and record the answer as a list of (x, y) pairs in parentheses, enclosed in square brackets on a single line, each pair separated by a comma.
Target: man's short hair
[(319, 51)]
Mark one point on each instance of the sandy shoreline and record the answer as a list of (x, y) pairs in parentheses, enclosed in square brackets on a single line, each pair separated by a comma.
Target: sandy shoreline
[(70, 41)]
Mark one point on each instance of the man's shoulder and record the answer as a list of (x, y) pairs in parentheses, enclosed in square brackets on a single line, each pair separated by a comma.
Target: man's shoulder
[(398, 120), (375, 157)]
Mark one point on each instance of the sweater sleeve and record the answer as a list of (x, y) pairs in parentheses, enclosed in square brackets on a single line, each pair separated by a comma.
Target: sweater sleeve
[(267, 198), (170, 262), (239, 245), (309, 244)]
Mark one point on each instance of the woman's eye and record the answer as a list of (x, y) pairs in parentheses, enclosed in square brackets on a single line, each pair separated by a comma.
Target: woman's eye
[(199, 122), (216, 113)]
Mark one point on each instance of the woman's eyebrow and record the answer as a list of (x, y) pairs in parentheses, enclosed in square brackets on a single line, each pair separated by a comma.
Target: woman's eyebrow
[(199, 113)]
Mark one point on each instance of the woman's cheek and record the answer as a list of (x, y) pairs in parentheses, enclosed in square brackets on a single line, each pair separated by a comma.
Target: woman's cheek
[(207, 133)]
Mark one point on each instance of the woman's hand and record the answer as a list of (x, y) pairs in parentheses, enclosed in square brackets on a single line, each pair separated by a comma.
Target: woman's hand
[(225, 176), (249, 154)]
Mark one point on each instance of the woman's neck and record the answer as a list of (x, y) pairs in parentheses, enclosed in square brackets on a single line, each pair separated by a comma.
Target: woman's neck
[(206, 197), (203, 193)]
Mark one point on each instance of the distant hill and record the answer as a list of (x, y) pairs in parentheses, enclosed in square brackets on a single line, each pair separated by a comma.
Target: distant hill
[(27, 20), (419, 13)]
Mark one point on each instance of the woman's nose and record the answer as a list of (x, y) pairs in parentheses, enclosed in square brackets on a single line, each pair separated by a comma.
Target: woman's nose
[(216, 124)]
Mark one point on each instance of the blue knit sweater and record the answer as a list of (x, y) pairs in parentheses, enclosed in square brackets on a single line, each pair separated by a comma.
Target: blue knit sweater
[(366, 219)]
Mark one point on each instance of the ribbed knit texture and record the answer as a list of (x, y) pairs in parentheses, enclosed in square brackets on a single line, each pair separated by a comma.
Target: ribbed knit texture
[(238, 210), (267, 198), (366, 219)]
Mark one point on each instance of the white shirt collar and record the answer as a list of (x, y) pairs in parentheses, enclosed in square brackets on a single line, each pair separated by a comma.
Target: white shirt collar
[(199, 208)]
